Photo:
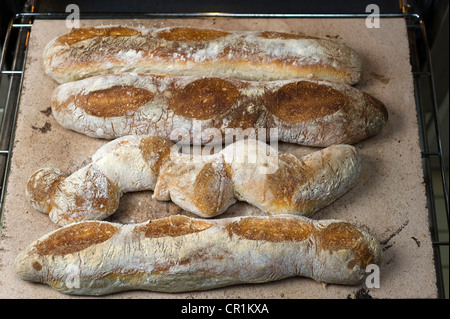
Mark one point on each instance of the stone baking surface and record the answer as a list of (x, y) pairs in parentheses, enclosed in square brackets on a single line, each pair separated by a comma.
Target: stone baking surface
[(389, 200)]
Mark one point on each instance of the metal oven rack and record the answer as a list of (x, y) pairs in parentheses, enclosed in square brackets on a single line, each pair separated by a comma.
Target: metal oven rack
[(13, 60)]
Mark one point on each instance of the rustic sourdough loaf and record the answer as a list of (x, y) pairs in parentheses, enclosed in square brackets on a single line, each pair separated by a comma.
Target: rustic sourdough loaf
[(307, 112), (179, 254), (249, 55), (203, 184)]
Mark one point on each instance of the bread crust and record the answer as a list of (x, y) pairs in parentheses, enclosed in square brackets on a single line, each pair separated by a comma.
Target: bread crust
[(249, 55), (180, 254), (203, 184), (307, 112)]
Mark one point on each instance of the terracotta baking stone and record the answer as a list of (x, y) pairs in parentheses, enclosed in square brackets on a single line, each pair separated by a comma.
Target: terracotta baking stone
[(389, 200)]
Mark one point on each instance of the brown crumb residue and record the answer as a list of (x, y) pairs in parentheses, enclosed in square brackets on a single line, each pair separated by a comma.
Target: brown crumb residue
[(47, 112), (44, 129), (383, 79)]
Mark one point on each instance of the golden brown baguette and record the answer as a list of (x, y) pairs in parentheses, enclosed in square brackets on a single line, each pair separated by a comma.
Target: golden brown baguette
[(203, 184), (180, 254), (308, 112), (249, 55)]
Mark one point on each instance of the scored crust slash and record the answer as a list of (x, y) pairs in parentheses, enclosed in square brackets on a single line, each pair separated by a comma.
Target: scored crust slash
[(137, 87)]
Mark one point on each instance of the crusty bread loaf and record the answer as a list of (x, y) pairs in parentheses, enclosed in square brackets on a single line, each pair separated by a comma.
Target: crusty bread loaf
[(249, 55), (203, 184), (208, 110), (180, 254)]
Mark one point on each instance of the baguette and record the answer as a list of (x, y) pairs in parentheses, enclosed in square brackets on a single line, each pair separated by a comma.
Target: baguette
[(202, 184), (307, 112), (249, 55), (181, 254)]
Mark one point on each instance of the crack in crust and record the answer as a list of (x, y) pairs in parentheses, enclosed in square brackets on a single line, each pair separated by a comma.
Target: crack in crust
[(173, 226), (271, 229), (191, 34), (81, 34), (75, 238)]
